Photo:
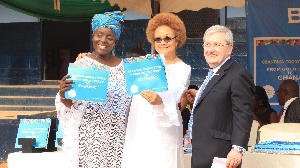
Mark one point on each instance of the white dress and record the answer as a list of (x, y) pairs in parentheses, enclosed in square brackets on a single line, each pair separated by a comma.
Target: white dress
[(94, 133), (154, 132)]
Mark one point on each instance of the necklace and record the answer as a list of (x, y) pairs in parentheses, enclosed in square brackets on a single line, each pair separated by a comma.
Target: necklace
[(175, 60), (101, 58)]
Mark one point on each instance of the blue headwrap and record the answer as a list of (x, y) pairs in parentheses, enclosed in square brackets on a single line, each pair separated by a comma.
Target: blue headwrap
[(109, 20)]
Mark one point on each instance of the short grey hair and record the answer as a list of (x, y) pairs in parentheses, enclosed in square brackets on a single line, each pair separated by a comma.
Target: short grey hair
[(218, 28)]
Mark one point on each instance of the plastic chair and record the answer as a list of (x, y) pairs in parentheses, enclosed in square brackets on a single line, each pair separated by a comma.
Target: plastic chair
[(280, 132), (253, 133)]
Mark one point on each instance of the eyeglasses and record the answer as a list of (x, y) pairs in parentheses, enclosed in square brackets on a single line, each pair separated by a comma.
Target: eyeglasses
[(166, 39), (214, 45), (279, 90)]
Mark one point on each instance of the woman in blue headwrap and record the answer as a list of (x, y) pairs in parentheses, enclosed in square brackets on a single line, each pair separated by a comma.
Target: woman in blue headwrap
[(94, 133)]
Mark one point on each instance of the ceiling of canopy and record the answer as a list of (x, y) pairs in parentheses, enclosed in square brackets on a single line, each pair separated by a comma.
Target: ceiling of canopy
[(83, 10)]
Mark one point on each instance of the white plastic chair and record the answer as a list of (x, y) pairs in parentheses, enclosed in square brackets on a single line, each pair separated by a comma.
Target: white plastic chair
[(280, 132), (253, 133)]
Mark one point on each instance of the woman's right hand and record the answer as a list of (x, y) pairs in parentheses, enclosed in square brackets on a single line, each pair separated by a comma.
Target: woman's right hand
[(65, 85), (81, 55)]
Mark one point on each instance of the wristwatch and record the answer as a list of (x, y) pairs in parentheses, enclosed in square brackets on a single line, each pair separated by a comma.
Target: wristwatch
[(238, 148)]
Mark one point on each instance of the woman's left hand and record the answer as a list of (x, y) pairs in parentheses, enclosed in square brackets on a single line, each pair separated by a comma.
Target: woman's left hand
[(152, 97)]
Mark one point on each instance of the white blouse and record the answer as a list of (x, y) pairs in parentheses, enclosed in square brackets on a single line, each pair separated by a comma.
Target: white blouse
[(154, 132)]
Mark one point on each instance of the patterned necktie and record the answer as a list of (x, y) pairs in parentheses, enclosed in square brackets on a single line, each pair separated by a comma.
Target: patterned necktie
[(280, 114), (208, 77)]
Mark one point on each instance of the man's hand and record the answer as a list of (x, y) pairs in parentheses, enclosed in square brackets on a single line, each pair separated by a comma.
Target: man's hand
[(234, 158), (191, 94)]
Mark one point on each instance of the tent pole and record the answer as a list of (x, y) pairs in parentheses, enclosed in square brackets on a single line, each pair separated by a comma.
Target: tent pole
[(223, 16), (155, 10)]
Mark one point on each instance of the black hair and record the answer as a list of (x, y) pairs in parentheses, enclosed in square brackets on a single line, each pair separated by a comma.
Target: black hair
[(193, 87), (137, 51), (261, 94), (292, 87)]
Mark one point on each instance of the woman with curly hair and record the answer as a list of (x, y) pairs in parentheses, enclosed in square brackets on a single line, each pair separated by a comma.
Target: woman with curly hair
[(154, 129)]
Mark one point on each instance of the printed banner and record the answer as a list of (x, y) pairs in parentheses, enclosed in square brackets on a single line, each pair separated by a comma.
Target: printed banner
[(90, 82), (34, 128), (276, 68), (273, 43), (145, 73)]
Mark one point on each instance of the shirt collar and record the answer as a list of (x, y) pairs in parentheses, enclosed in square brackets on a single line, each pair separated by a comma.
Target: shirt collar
[(287, 103), (219, 66)]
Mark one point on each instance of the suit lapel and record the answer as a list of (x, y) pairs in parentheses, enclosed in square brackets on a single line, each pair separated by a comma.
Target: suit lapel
[(215, 79)]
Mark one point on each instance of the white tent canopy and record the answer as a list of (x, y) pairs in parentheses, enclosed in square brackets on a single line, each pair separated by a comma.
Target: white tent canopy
[(144, 6)]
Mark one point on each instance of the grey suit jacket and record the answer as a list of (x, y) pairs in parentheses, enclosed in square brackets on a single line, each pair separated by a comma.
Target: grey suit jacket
[(223, 115), (292, 114)]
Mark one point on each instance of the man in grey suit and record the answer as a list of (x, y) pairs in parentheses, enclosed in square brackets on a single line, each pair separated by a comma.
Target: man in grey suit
[(223, 111), (288, 93)]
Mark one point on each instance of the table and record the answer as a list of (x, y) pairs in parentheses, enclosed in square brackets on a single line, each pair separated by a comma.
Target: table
[(52, 160), (35, 160), (187, 160), (264, 160)]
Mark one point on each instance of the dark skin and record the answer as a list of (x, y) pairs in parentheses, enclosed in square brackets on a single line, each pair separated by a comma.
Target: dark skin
[(260, 109), (184, 102), (104, 40)]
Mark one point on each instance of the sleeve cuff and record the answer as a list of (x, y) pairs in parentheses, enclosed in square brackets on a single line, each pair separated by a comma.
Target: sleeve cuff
[(239, 148)]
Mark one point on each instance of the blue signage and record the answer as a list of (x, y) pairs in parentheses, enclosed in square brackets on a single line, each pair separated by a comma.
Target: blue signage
[(145, 73)]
